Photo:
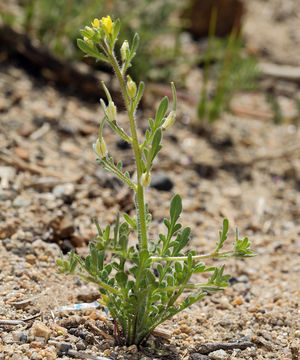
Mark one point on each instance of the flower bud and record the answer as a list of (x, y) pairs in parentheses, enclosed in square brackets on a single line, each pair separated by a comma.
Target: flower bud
[(96, 23), (107, 25), (145, 179), (89, 30), (124, 49), (100, 148), (112, 112), (131, 87), (169, 120), (88, 41)]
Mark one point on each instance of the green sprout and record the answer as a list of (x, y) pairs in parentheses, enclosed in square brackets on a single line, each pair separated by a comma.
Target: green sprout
[(147, 283)]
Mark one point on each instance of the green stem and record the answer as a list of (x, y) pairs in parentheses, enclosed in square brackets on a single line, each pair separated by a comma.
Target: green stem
[(136, 148), (194, 257), (117, 172)]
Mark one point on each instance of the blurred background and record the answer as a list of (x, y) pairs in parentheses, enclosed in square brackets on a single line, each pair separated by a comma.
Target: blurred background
[(213, 49)]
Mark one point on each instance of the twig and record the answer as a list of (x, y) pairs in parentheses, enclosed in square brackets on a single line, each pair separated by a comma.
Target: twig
[(11, 159), (23, 303), (11, 322), (98, 331), (207, 348), (32, 317)]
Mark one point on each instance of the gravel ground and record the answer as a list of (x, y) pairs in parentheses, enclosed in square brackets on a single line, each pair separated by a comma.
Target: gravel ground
[(51, 189)]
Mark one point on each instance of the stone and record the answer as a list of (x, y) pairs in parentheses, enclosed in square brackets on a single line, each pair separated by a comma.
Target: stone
[(64, 347), (80, 345), (237, 301), (30, 259), (218, 355), (197, 356), (39, 329), (64, 191), (161, 182)]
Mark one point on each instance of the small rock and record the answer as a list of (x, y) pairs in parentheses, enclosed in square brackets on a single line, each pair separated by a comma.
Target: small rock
[(19, 336), (297, 334), (218, 355), (30, 259), (21, 153), (237, 301), (80, 345), (243, 278), (41, 330), (21, 202), (65, 191), (59, 330), (161, 182), (64, 347), (196, 356)]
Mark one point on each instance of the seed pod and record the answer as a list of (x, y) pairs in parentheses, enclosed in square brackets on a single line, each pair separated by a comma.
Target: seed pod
[(124, 49), (145, 179), (131, 87), (169, 120), (112, 112), (89, 30), (100, 148)]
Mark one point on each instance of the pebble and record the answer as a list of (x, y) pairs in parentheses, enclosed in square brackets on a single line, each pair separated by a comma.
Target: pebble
[(237, 301), (64, 191), (161, 182), (218, 355), (297, 334), (196, 356), (80, 345), (64, 347), (21, 201), (39, 329), (30, 259)]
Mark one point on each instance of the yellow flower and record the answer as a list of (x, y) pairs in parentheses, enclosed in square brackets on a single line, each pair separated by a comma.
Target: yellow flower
[(96, 23), (107, 25)]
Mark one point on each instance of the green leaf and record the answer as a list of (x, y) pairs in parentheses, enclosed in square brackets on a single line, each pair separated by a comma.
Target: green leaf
[(161, 111), (91, 50), (121, 278), (135, 44), (130, 221), (139, 95), (116, 229), (175, 208), (155, 146), (116, 30)]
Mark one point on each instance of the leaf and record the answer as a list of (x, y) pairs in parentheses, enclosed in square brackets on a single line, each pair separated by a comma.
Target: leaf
[(121, 278), (139, 95), (116, 229), (175, 208), (91, 51), (161, 111), (135, 44), (130, 221), (116, 30), (155, 146)]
